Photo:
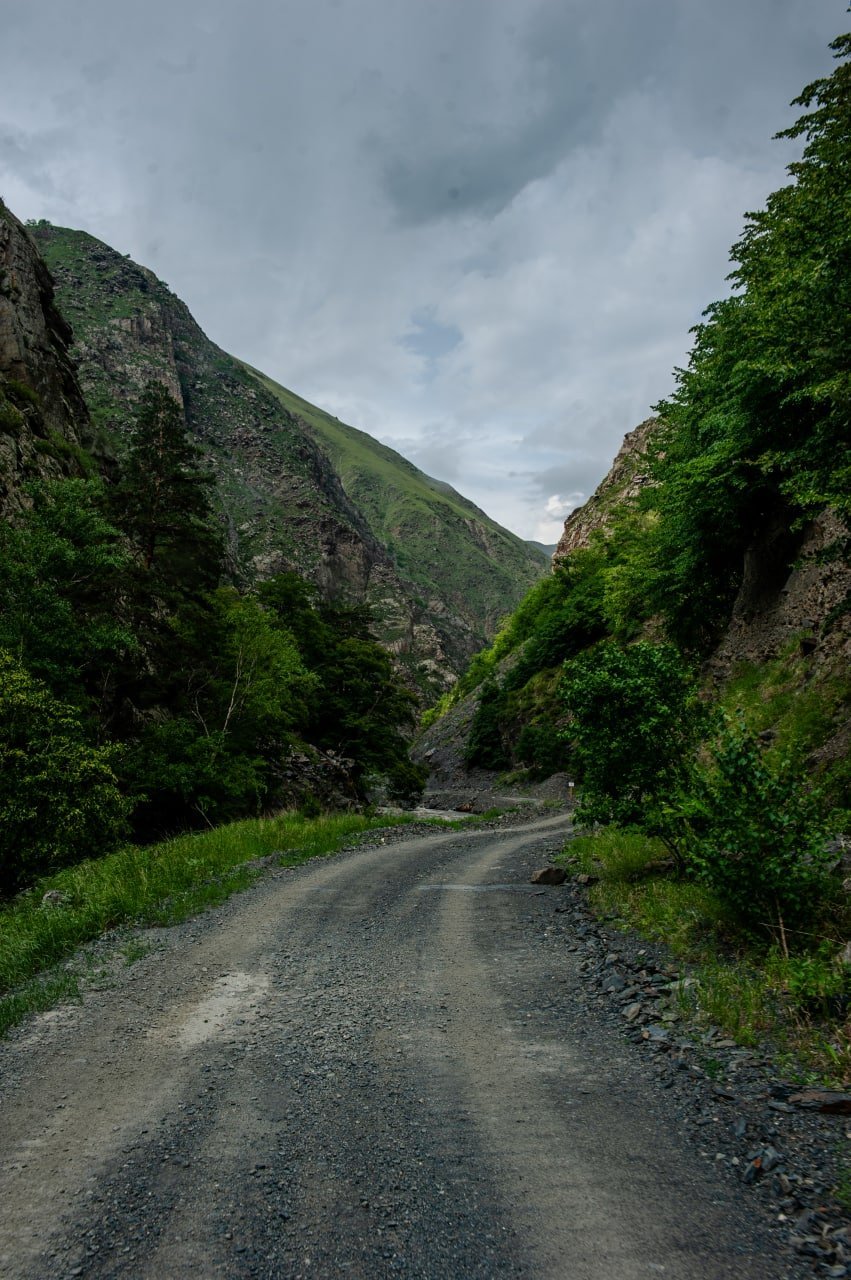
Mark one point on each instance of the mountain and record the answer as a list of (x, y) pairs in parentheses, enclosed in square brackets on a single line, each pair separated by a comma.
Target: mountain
[(297, 489), (44, 424)]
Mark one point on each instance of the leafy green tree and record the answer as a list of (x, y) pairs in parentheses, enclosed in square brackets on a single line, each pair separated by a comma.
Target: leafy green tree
[(635, 722), (230, 696), (755, 835), (358, 708), (485, 747), (757, 429), (62, 574), (59, 801)]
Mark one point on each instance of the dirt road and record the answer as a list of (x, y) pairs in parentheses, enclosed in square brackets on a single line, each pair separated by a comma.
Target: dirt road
[(369, 1066)]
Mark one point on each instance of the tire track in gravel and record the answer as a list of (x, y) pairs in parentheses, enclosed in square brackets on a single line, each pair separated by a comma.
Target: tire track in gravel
[(367, 1066)]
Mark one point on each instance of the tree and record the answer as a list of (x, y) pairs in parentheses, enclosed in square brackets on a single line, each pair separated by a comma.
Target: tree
[(635, 721), (358, 708), (62, 573), (163, 501), (232, 690), (757, 428), (59, 801)]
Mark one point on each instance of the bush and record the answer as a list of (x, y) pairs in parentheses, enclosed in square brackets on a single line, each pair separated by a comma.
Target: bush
[(58, 797), (635, 722), (756, 838), (485, 748)]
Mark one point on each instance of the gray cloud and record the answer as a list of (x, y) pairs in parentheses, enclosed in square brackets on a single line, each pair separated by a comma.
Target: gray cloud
[(478, 230)]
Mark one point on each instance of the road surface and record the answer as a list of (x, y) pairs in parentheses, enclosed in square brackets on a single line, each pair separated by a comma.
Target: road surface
[(368, 1066)]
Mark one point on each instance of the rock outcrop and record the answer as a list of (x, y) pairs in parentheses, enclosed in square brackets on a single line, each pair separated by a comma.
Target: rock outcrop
[(627, 476), (44, 422)]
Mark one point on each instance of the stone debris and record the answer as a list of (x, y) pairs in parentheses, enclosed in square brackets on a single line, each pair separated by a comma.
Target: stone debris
[(549, 875), (831, 1101), (787, 1146)]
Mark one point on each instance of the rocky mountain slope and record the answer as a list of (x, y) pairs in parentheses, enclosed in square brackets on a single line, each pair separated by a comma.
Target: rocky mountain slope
[(297, 489), (44, 423)]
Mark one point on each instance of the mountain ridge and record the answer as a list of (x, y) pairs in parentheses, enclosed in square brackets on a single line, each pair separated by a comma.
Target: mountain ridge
[(298, 489)]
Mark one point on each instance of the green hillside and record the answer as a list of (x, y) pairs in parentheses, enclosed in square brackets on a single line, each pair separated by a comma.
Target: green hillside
[(295, 488), (440, 540)]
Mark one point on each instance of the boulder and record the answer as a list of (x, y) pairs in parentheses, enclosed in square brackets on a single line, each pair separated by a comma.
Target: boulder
[(549, 875)]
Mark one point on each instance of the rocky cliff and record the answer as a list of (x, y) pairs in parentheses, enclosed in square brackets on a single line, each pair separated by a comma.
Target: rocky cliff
[(44, 423), (626, 478), (297, 489)]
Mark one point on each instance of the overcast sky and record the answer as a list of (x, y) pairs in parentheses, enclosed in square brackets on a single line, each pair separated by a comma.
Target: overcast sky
[(478, 229)]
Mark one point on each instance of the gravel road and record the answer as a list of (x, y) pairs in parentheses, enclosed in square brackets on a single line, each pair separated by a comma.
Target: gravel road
[(372, 1065)]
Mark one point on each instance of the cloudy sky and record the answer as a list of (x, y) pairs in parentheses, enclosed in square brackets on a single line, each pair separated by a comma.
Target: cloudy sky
[(478, 229)]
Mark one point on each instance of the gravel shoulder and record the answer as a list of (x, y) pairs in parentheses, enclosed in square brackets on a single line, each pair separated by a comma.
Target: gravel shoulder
[(387, 1063)]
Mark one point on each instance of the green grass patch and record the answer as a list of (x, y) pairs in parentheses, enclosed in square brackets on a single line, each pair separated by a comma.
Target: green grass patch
[(156, 885), (799, 1003), (616, 855)]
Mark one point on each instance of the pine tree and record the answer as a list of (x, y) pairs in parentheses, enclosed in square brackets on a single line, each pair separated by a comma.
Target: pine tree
[(163, 499)]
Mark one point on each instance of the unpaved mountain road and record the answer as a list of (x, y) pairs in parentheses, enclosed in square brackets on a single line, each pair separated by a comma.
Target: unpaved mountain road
[(367, 1066)]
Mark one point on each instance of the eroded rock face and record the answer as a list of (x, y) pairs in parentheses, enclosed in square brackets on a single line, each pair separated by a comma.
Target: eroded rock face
[(43, 416), (777, 605), (626, 478)]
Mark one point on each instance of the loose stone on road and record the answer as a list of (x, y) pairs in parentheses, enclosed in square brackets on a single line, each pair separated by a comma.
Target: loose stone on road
[(373, 1065)]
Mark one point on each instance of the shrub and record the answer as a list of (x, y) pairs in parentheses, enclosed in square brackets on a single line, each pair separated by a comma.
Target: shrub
[(58, 797), (756, 838), (485, 747), (635, 721)]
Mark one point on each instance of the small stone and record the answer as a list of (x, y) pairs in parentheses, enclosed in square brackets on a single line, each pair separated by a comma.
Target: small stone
[(831, 1101), (632, 1011), (657, 1034), (549, 875), (55, 898), (770, 1159)]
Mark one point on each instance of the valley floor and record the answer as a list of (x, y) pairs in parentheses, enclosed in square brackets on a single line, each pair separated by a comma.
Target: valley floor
[(375, 1065)]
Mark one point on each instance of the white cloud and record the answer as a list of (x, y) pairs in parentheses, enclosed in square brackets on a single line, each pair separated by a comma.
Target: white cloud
[(481, 231)]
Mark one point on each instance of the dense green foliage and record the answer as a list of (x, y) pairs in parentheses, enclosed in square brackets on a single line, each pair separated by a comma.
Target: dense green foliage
[(592, 672), (135, 684), (758, 428), (755, 835), (635, 722), (59, 800)]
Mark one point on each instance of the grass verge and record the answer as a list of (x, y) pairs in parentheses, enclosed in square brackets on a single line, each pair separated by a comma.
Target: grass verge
[(799, 1004), (156, 885)]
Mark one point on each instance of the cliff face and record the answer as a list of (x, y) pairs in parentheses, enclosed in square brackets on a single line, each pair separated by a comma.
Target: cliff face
[(626, 477), (792, 586), (789, 631), (297, 489), (43, 418)]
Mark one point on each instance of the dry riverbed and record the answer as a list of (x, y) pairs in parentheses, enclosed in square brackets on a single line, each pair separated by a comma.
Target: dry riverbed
[(396, 1062)]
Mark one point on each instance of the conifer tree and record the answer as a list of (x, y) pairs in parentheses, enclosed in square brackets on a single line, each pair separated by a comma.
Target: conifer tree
[(163, 499)]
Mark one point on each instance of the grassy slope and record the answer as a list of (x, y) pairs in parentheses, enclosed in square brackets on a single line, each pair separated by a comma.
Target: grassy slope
[(439, 539)]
